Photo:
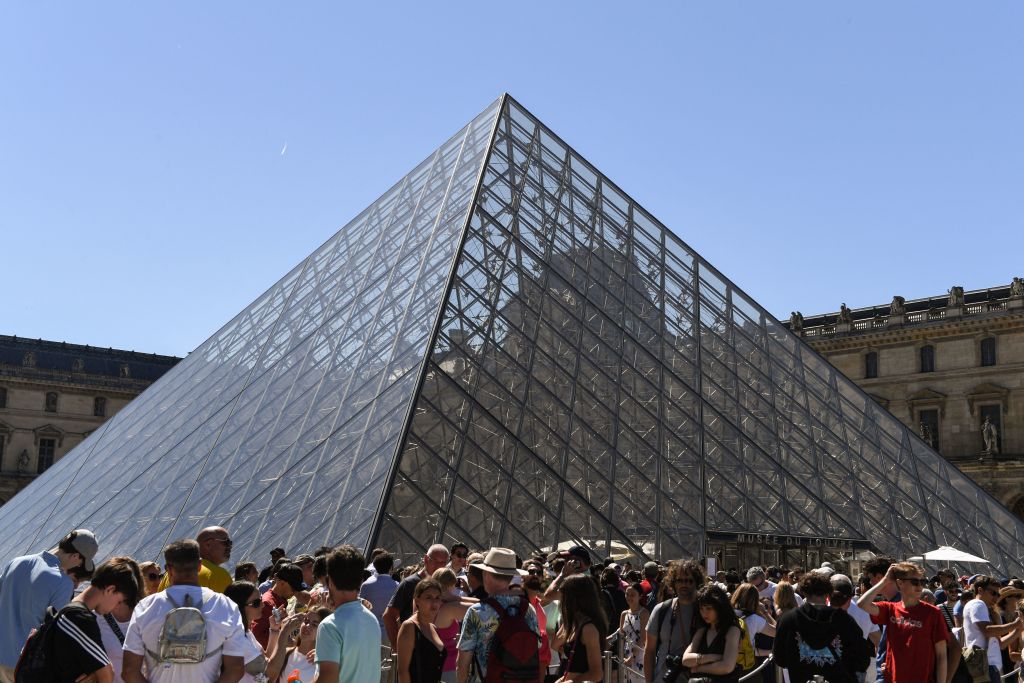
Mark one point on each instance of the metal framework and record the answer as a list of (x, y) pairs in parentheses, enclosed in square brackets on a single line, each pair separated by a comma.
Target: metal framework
[(505, 348)]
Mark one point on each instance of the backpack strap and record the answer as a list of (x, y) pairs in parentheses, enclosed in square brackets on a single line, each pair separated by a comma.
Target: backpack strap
[(112, 623)]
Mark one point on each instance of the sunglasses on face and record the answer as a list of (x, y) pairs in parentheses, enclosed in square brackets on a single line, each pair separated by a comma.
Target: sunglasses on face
[(226, 541), (914, 582), (254, 603), (536, 572), (460, 556), (153, 576)]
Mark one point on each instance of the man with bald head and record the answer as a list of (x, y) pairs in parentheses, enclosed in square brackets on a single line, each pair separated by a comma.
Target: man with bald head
[(400, 607), (214, 550)]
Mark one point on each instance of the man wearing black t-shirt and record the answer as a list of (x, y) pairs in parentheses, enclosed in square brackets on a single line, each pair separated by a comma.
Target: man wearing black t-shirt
[(77, 648), (400, 607)]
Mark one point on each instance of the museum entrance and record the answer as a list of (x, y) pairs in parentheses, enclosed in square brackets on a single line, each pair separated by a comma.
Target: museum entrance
[(739, 552)]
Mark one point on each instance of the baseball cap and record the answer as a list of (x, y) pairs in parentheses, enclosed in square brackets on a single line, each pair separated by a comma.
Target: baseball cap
[(85, 544), (305, 559), (292, 575), (650, 565)]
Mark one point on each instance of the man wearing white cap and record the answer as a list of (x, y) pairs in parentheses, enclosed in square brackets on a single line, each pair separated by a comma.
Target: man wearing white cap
[(482, 620), (31, 584)]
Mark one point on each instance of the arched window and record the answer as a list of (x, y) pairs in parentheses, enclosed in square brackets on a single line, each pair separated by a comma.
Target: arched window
[(928, 358), (871, 364), (99, 407), (988, 351), (51, 402)]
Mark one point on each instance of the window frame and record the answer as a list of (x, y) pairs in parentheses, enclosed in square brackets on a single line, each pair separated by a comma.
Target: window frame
[(990, 344), (926, 351), (48, 458)]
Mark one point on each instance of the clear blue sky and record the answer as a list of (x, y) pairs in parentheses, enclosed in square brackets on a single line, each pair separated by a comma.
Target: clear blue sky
[(815, 152)]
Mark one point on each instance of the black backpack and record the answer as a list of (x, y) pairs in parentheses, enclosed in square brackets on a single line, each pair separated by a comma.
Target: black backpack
[(35, 665)]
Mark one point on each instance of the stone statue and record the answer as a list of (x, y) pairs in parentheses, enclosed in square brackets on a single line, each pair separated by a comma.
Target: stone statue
[(990, 436), (956, 297), (796, 321), (23, 462), (29, 359), (1017, 287), (844, 316), (896, 307)]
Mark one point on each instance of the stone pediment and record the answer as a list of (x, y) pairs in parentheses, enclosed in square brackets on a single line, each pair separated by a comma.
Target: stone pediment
[(49, 431), (928, 398), (986, 392)]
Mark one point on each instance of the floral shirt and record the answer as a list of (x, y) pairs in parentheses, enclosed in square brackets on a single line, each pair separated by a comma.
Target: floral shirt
[(479, 627)]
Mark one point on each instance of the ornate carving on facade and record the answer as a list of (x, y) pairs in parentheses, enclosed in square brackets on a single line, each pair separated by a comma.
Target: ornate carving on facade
[(29, 359), (23, 461), (796, 321), (897, 306), (845, 317), (78, 365), (1017, 288), (956, 297)]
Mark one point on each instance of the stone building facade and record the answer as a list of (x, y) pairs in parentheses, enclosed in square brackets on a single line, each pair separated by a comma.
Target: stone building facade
[(950, 366), (54, 394)]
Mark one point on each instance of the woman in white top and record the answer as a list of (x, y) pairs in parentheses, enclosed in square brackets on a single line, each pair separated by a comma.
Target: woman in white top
[(300, 655), (747, 603), (633, 631), (247, 596)]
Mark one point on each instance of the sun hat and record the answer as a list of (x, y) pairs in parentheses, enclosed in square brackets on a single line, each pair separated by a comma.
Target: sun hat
[(1010, 592), (500, 561)]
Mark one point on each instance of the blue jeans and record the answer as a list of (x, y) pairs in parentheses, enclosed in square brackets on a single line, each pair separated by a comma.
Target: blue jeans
[(993, 674)]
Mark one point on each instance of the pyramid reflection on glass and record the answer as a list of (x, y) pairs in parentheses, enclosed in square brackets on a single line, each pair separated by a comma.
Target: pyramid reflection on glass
[(505, 349)]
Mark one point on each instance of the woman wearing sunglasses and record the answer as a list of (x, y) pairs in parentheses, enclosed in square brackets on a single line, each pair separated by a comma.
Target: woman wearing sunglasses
[(300, 655), (151, 575), (257, 660)]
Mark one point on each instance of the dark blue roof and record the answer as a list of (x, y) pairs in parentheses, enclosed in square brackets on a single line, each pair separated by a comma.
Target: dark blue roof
[(62, 357)]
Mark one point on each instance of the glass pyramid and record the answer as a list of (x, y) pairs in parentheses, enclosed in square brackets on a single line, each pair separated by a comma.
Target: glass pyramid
[(505, 349)]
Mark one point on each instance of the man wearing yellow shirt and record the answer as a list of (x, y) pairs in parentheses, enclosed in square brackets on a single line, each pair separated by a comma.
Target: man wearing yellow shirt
[(214, 550)]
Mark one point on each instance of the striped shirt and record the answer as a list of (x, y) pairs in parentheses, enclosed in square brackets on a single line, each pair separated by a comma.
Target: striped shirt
[(77, 643)]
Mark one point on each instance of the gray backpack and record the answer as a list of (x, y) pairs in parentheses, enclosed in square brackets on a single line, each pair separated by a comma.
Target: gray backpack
[(183, 636)]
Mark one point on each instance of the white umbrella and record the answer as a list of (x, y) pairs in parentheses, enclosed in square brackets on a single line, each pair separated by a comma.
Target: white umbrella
[(947, 553)]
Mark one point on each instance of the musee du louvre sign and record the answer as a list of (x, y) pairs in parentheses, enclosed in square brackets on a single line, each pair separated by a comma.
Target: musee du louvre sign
[(788, 541), (506, 349)]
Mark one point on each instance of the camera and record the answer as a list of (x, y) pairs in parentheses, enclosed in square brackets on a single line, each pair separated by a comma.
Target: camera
[(673, 668)]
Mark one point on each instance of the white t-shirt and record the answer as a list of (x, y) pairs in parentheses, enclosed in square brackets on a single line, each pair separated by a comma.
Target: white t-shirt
[(862, 618), (253, 651), (111, 644), (223, 628), (755, 624), (297, 660), (767, 590), (976, 611)]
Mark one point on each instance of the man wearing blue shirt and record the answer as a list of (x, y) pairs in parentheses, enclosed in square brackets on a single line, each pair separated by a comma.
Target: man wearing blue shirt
[(31, 584), (348, 641)]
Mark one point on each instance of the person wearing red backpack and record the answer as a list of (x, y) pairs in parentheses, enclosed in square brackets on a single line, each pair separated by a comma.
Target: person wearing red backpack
[(500, 638)]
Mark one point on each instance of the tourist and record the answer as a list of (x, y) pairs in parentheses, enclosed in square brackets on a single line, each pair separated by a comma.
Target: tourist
[(247, 571), (300, 655), (449, 619), (151, 575), (348, 641), (577, 561), (533, 584), (214, 549), (286, 584), (421, 652), (379, 589), (483, 619), (400, 607), (31, 584), (114, 624), (633, 629), (612, 596), (246, 596), (582, 633), (842, 597), (874, 571), (982, 630), (714, 649), (226, 643), (915, 632), (673, 622), (765, 588), (651, 583), (816, 639), (1009, 604), (475, 577), (758, 620), (459, 552)]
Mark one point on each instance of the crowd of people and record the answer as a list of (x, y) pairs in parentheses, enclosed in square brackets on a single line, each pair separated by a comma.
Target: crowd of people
[(463, 616)]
